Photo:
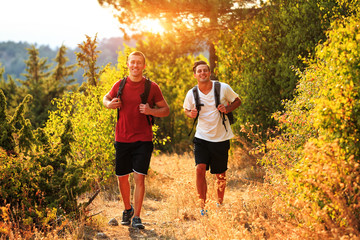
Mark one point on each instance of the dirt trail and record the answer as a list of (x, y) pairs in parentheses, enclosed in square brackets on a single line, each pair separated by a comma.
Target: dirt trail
[(170, 207)]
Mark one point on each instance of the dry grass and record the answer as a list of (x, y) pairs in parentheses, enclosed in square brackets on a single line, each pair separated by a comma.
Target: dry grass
[(171, 211), (252, 208)]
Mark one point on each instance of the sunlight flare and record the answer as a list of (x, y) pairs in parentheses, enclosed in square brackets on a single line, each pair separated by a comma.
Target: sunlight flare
[(151, 25)]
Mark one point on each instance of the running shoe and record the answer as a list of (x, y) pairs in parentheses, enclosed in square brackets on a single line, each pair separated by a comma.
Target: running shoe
[(203, 212), (136, 223), (127, 215)]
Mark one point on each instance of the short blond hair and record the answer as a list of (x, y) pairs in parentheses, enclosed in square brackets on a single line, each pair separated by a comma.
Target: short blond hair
[(136, 53)]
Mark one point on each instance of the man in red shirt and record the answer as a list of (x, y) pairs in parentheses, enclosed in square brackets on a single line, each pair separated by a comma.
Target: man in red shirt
[(133, 134)]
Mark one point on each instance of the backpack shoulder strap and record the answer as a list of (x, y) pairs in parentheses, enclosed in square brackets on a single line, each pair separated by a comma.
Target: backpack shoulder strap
[(121, 87), (197, 105), (217, 100), (196, 97), (217, 93), (145, 95), (144, 99), (119, 93)]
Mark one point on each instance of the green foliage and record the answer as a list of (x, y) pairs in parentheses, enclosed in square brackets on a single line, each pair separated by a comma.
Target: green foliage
[(36, 84), (258, 56), (319, 147), (7, 141), (10, 89), (39, 179), (62, 75), (87, 60), (13, 55), (93, 127), (43, 84)]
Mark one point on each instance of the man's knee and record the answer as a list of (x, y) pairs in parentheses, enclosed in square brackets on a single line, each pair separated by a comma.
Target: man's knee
[(122, 179), (201, 169), (139, 179)]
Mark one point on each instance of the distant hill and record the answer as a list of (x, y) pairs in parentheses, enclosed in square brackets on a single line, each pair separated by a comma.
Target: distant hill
[(13, 55)]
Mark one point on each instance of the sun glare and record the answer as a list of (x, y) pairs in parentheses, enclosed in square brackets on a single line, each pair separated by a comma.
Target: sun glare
[(151, 25)]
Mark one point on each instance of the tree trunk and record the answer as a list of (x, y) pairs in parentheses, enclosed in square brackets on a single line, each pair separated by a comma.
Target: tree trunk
[(212, 60), (213, 38)]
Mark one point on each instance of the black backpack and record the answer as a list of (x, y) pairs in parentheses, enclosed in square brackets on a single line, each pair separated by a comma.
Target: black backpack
[(198, 105), (144, 96)]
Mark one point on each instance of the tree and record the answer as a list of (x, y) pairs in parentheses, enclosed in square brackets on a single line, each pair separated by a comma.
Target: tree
[(62, 75), (37, 85), (258, 58), (191, 20), (11, 91), (87, 60)]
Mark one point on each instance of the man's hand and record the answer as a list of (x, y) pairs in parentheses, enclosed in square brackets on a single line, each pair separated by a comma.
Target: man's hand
[(145, 109), (192, 113), (114, 103), (222, 108), (229, 108)]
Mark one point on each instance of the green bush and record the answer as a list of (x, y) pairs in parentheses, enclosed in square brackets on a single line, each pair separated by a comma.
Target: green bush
[(318, 150), (39, 179)]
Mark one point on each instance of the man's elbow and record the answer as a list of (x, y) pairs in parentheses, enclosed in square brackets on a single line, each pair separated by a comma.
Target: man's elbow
[(237, 102), (167, 111), (105, 101)]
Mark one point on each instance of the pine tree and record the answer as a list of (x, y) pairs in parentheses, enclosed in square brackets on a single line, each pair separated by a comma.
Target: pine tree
[(37, 84), (87, 60), (61, 76), (11, 90)]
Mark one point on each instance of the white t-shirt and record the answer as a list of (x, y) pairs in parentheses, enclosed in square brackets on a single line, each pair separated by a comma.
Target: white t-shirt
[(210, 126)]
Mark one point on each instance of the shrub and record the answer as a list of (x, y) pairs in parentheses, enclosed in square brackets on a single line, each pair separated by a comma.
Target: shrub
[(318, 151)]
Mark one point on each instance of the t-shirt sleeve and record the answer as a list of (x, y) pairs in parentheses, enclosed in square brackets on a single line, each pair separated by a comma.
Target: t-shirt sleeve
[(114, 89), (189, 102), (158, 96), (229, 93)]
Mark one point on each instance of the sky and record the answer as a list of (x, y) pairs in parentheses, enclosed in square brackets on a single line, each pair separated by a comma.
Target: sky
[(55, 22)]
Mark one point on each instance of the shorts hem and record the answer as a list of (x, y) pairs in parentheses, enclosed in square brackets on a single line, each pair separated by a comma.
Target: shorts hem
[(122, 175), (217, 172), (140, 172)]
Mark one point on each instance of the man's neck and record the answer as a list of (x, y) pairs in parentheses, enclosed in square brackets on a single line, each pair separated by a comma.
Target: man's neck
[(135, 79), (205, 87)]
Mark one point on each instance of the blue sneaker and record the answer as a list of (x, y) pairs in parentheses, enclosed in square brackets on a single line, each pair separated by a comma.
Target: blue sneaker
[(203, 212)]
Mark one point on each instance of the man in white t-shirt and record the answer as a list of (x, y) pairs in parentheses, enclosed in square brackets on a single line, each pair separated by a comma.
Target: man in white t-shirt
[(211, 140)]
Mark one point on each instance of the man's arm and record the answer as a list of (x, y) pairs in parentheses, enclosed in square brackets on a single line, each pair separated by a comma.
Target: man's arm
[(231, 107), (191, 113), (162, 109), (110, 102)]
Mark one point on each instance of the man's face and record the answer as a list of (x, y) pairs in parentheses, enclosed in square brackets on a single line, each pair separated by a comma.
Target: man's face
[(202, 73), (136, 65)]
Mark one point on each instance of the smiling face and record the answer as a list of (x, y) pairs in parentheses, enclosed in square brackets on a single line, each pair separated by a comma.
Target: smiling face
[(136, 65), (202, 73)]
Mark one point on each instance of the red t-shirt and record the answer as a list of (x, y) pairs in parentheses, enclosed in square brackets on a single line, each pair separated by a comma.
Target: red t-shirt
[(133, 126)]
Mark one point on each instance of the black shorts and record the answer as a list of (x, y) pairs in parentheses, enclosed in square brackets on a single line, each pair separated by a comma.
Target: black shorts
[(214, 154), (132, 157)]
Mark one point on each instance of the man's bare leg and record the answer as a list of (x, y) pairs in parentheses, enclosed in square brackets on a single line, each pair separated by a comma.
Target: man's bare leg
[(201, 184), (124, 187), (139, 192), (221, 185)]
